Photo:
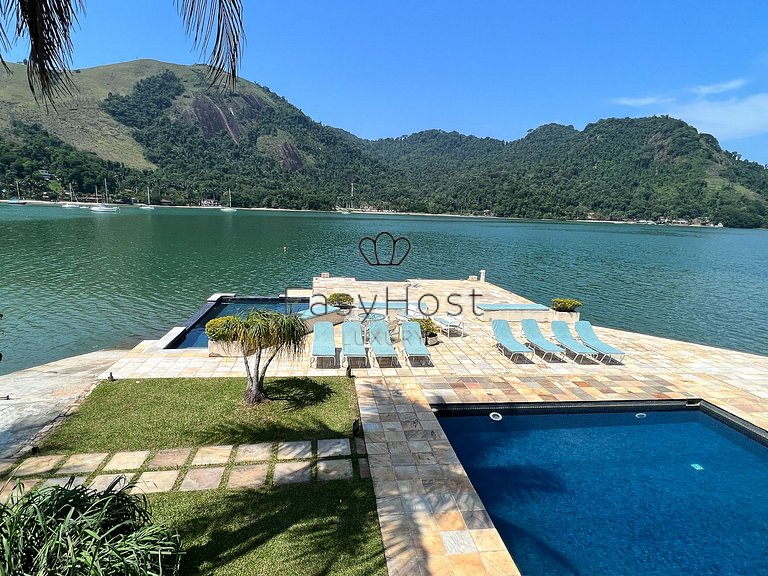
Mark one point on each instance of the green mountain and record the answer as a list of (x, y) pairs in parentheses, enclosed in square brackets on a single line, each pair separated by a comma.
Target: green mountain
[(150, 124)]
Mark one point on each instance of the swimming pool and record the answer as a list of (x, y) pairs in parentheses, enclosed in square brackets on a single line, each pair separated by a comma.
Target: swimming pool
[(661, 493), (194, 336)]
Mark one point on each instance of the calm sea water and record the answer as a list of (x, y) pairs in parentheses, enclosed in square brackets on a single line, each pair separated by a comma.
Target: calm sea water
[(72, 281)]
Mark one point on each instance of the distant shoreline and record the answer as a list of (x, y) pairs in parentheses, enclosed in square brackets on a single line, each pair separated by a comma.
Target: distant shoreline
[(377, 213)]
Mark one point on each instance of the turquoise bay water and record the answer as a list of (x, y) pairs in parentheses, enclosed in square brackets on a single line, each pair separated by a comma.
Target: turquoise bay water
[(73, 281)]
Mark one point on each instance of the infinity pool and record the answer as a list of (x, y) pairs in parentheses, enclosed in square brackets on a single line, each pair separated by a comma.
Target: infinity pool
[(667, 493), (195, 337)]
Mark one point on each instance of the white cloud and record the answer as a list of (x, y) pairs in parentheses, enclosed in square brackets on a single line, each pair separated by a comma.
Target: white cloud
[(726, 119), (707, 89), (643, 101)]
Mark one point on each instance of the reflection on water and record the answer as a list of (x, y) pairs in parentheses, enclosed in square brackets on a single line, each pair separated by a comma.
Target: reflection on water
[(74, 281)]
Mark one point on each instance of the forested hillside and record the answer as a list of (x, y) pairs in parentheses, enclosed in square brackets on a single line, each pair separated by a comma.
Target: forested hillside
[(148, 124)]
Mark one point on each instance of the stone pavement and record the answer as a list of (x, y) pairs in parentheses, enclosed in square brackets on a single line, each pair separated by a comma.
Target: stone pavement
[(40, 395), (201, 468)]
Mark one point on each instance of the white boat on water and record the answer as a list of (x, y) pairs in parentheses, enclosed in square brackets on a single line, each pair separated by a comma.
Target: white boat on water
[(104, 208), (148, 205), (16, 201), (348, 209), (71, 203), (101, 206), (229, 208)]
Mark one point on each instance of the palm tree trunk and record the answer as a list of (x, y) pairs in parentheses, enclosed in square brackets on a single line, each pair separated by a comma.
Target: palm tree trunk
[(254, 391)]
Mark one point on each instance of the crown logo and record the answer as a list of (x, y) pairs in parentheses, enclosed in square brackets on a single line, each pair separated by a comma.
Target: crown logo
[(384, 249)]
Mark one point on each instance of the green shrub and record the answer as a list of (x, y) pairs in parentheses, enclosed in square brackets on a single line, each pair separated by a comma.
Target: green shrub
[(220, 329), (565, 304), (76, 530), (340, 298), (428, 326)]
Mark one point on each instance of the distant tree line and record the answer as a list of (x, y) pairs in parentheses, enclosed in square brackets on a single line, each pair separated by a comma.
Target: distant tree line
[(204, 143)]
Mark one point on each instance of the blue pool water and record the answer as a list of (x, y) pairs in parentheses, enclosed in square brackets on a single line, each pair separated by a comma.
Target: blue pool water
[(672, 494), (195, 335)]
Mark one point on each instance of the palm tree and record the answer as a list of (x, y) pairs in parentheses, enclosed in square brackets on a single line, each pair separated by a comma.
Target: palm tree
[(264, 335), (48, 25)]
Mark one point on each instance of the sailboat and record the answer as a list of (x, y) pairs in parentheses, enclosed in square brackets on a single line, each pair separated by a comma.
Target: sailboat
[(351, 200), (17, 201), (229, 208), (71, 203), (103, 207), (148, 205)]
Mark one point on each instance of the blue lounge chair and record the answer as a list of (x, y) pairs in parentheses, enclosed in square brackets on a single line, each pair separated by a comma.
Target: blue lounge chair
[(587, 334), (352, 343), (317, 310), (322, 343), (413, 343), (536, 339), (506, 342), (381, 343), (563, 335)]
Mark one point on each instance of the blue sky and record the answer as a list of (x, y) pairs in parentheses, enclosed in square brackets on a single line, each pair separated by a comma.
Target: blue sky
[(489, 68)]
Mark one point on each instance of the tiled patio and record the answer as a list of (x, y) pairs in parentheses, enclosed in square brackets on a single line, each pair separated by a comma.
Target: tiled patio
[(432, 520), (202, 468)]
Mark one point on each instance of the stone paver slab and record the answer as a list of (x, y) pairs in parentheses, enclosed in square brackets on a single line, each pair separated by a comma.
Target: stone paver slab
[(102, 481), (38, 465), (202, 479), (82, 463), (254, 452), (127, 460), (27, 484), (76, 481), (334, 470), (458, 542), (331, 448), (292, 472), (150, 482), (170, 458), (294, 450), (212, 455), (248, 476)]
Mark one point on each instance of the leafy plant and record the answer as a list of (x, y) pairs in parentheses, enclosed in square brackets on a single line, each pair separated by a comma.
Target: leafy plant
[(75, 530), (565, 304), (221, 329), (340, 299), (428, 326), (263, 334)]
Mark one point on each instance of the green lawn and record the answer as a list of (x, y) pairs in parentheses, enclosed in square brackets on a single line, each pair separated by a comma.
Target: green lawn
[(317, 529), (170, 413), (321, 528)]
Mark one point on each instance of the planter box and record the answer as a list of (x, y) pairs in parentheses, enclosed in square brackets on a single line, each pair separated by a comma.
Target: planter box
[(569, 317), (224, 349)]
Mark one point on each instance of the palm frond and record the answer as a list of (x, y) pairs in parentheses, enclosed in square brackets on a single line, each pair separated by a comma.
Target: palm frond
[(5, 43), (221, 20), (48, 24)]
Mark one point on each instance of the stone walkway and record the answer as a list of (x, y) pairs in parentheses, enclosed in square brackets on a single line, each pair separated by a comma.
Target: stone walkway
[(202, 468)]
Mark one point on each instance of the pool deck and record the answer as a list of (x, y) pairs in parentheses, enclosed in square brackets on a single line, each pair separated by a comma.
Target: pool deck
[(431, 518)]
